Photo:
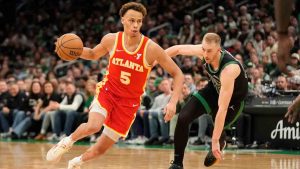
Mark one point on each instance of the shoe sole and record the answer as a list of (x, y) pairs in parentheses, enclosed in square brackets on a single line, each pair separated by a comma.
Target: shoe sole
[(50, 153)]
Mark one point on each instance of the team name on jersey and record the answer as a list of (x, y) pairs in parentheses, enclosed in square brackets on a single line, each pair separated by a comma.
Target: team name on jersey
[(216, 82), (128, 64)]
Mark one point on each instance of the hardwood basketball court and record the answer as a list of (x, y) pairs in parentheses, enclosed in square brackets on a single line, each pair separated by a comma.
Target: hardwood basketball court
[(24, 155)]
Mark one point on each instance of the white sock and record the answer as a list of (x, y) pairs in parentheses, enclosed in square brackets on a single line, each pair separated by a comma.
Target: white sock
[(69, 140), (78, 160)]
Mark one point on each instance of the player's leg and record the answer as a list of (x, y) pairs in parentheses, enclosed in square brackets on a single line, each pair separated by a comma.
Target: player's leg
[(93, 125), (105, 141), (97, 116), (200, 103), (190, 111)]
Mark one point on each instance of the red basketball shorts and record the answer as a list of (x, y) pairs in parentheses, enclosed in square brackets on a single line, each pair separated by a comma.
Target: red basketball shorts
[(121, 112)]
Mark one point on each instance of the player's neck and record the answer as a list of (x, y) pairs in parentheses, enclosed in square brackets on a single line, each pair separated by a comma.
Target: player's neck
[(132, 40), (215, 63)]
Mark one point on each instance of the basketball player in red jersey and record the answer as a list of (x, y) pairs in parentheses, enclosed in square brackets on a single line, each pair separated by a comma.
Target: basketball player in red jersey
[(118, 95)]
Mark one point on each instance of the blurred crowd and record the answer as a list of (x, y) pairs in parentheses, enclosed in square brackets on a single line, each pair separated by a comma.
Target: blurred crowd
[(41, 93)]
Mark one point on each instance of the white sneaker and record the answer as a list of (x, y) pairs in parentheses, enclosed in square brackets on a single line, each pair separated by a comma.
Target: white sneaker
[(73, 164), (56, 152)]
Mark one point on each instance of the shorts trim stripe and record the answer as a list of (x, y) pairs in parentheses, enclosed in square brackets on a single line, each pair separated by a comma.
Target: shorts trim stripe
[(120, 134), (228, 126), (203, 101)]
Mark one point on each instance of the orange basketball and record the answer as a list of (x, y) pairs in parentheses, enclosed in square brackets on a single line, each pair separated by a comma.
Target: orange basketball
[(69, 47)]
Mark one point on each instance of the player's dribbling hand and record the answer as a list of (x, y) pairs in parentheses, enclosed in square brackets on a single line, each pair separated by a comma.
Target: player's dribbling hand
[(169, 111), (216, 149), (293, 113), (56, 45)]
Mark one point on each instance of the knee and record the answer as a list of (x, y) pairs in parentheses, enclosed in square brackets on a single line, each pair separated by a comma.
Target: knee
[(183, 120), (92, 128)]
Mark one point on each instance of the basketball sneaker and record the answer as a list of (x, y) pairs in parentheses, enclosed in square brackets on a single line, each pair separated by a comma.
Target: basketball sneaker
[(210, 159), (73, 164), (175, 166), (56, 152)]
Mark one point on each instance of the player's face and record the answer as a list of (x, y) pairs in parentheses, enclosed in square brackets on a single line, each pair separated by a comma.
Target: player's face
[(211, 51), (132, 22)]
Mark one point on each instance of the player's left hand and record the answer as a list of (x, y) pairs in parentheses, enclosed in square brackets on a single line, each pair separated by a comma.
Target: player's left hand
[(169, 111), (56, 45), (293, 113), (216, 149)]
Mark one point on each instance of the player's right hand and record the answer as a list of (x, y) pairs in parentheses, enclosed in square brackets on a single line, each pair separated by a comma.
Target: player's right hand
[(293, 113), (169, 111)]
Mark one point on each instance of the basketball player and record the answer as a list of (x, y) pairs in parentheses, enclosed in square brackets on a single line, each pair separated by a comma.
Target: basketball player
[(118, 96), (223, 97), (283, 10)]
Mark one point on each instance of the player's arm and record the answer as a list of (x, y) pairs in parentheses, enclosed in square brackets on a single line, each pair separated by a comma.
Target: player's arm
[(283, 10), (156, 53), (186, 50), (227, 78), (100, 50)]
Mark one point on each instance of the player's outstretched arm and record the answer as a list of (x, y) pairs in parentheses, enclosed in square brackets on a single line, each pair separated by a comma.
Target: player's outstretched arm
[(157, 54), (228, 76), (186, 50), (100, 50)]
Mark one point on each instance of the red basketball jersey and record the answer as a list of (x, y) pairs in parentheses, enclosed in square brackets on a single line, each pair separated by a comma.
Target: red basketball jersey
[(127, 71)]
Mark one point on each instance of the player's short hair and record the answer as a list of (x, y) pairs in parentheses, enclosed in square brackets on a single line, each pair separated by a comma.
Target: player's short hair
[(212, 38), (134, 6)]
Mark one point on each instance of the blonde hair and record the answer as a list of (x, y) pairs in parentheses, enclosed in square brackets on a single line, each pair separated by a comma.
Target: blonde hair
[(212, 38)]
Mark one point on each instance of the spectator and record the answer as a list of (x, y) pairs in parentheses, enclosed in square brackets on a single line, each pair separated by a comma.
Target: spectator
[(14, 106), (3, 93), (156, 116), (190, 82), (42, 111), (23, 120), (281, 84), (70, 108), (272, 68)]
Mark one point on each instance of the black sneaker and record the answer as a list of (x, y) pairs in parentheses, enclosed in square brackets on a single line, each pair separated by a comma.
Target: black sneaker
[(169, 142), (210, 159), (175, 166), (151, 141), (198, 142)]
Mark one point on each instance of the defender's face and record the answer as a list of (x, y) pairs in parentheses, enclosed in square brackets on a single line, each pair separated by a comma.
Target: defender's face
[(132, 22), (210, 51)]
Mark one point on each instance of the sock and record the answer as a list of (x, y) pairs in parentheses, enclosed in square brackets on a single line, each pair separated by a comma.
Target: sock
[(78, 160), (69, 140)]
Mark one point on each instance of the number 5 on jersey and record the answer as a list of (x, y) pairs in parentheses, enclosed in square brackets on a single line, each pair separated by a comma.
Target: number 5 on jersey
[(124, 77)]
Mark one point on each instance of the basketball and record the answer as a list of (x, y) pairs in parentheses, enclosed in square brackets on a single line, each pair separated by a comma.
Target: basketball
[(69, 47)]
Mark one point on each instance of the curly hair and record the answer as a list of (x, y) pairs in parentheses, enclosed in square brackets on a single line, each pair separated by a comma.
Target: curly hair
[(134, 6)]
